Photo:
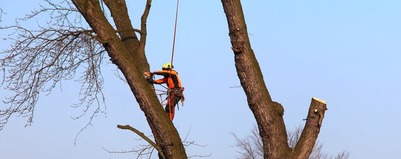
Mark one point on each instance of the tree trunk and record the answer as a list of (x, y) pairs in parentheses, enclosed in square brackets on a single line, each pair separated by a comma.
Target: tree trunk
[(130, 60), (268, 114)]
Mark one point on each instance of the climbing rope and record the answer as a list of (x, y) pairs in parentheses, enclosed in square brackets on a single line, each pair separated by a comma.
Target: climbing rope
[(172, 58), (175, 33)]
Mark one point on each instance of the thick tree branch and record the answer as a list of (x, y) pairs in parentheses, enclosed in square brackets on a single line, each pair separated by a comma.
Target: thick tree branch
[(144, 19), (311, 130), (119, 12)]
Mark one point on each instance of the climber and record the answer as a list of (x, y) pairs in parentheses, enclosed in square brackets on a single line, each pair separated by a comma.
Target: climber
[(173, 82)]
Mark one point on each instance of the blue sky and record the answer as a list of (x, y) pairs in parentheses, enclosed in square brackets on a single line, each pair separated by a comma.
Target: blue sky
[(345, 52)]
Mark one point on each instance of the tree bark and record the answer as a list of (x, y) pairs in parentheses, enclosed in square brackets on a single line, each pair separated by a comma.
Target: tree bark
[(268, 114), (311, 130), (164, 132), (136, 47)]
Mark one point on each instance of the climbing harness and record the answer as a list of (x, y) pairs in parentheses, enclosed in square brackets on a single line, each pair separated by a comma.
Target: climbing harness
[(168, 97)]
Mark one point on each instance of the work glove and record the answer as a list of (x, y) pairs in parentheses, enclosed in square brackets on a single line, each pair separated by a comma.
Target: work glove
[(149, 77)]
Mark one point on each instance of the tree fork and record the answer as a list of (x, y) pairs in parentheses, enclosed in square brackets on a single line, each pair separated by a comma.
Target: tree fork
[(268, 114), (165, 134)]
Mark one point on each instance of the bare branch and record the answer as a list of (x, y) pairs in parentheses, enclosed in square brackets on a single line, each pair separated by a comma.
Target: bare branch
[(293, 136), (148, 149), (144, 22), (343, 155), (144, 150), (1, 13), (143, 136), (40, 59), (250, 147), (190, 143)]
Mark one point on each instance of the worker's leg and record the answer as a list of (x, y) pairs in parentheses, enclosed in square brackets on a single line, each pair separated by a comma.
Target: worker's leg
[(170, 107)]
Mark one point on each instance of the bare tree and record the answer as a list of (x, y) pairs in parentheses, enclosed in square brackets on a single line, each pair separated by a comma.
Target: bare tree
[(41, 58), (268, 113), (250, 147)]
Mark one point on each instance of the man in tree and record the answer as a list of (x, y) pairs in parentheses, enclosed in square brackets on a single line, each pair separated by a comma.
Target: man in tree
[(173, 82), (39, 60)]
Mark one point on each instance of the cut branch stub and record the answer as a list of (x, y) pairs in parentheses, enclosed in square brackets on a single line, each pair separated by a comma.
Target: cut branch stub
[(316, 112)]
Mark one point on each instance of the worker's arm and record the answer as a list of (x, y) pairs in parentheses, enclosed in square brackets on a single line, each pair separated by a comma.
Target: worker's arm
[(159, 81), (163, 72)]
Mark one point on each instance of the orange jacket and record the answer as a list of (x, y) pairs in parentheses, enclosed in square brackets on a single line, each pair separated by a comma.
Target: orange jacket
[(171, 78)]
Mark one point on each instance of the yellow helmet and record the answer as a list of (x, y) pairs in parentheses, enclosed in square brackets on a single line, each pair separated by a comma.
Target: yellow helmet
[(167, 66)]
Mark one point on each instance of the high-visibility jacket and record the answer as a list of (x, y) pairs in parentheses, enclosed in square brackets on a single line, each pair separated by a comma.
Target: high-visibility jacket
[(171, 78)]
